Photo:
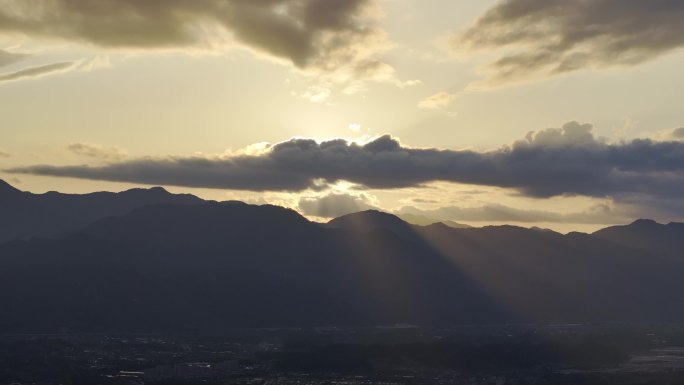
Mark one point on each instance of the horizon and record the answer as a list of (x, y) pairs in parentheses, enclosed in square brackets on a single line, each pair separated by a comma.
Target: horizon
[(412, 219)]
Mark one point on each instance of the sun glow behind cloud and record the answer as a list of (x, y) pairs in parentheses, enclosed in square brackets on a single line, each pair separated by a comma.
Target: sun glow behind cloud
[(188, 88)]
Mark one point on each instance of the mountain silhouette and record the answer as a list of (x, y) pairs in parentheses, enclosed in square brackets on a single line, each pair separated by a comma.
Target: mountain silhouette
[(7, 191), (209, 266), (649, 236), (370, 220), (38, 215)]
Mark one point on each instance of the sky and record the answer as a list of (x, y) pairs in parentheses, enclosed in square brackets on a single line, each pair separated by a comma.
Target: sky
[(559, 114)]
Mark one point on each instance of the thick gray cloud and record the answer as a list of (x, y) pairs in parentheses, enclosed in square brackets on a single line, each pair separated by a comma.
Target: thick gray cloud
[(334, 205), (36, 72), (551, 162), (600, 214), (549, 37), (312, 34), (678, 133), (8, 58)]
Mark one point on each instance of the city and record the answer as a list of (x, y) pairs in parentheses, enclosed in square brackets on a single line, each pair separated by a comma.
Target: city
[(495, 355)]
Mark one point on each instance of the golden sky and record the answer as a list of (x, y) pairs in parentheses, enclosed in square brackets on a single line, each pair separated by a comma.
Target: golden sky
[(533, 112)]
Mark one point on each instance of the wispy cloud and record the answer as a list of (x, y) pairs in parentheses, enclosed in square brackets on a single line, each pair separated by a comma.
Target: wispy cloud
[(96, 151), (600, 214), (82, 65), (38, 72), (542, 38), (437, 101)]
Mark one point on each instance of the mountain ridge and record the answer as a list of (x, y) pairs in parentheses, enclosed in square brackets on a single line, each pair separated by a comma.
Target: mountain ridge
[(53, 213), (48, 204), (204, 266)]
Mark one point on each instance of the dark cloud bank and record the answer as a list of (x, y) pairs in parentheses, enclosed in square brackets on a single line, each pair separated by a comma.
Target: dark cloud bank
[(551, 162), (556, 36)]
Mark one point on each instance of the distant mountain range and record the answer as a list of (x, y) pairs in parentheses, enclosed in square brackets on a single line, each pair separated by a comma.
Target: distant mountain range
[(426, 221), (148, 260), (34, 215)]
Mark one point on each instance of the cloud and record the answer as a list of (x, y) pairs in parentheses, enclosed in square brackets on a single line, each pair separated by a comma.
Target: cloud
[(326, 36), (649, 206), (37, 72), (316, 94), (4, 154), (678, 133), (599, 214), (437, 101), (559, 161), (543, 38), (8, 58), (96, 151), (334, 205)]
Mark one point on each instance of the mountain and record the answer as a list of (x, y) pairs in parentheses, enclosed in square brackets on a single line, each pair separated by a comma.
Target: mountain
[(215, 265), (7, 191), (648, 236), (38, 215), (372, 220), (209, 266)]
